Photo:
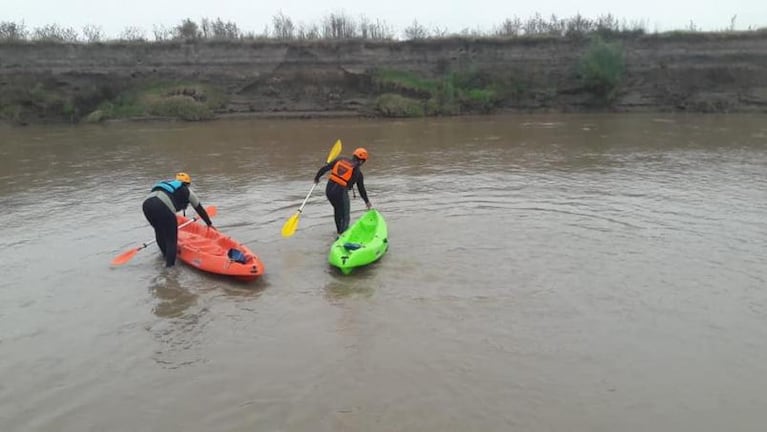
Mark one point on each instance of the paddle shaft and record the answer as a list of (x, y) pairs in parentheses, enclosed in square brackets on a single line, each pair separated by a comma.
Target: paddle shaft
[(290, 226), (334, 152), (307, 198), (130, 253), (332, 155), (194, 219)]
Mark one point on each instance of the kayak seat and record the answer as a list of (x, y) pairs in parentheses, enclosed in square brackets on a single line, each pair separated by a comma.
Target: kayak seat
[(352, 246), (236, 255)]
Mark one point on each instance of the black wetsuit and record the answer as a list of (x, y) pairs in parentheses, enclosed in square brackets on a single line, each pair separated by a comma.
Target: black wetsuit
[(165, 228), (338, 195), (159, 209)]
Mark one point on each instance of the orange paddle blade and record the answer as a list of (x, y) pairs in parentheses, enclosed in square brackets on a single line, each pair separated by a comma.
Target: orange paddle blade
[(125, 256)]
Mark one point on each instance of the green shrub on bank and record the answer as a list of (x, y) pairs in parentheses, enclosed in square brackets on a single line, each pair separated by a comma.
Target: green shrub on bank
[(404, 81), (11, 113), (184, 101), (450, 94), (24, 99), (94, 117), (482, 100), (394, 105), (601, 69), (31, 99), (180, 107)]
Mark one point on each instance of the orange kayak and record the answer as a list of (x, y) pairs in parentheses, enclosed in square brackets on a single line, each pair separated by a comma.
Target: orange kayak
[(211, 251)]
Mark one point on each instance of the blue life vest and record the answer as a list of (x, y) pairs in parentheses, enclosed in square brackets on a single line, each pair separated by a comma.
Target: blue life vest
[(168, 186), (177, 192)]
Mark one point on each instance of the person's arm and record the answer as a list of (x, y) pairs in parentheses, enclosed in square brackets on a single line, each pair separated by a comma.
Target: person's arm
[(361, 188), (204, 215), (323, 170), (197, 205)]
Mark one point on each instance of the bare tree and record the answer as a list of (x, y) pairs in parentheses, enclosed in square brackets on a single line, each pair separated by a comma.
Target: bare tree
[(556, 27), (380, 30), (607, 24), (283, 27), (578, 26), (132, 34), (339, 26), (224, 30), (509, 27), (93, 33), (188, 30), (205, 30), (162, 33), (305, 32), (416, 31), (534, 25), (54, 33), (439, 32), (377, 30), (12, 32)]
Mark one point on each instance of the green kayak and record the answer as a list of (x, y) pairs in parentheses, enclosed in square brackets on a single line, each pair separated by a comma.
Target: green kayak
[(364, 242)]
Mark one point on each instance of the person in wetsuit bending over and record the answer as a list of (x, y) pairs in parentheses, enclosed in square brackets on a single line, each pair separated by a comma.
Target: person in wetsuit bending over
[(160, 207), (344, 174)]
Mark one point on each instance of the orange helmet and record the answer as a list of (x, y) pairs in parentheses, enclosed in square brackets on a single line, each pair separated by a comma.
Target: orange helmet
[(184, 178), (361, 153)]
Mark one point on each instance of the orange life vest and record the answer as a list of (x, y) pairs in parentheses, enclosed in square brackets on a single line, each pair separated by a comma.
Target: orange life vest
[(342, 172)]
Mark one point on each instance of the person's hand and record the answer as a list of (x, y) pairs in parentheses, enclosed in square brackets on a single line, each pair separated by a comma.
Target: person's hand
[(368, 205)]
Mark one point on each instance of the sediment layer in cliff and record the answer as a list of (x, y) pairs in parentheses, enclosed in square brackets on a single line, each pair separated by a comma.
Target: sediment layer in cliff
[(690, 72)]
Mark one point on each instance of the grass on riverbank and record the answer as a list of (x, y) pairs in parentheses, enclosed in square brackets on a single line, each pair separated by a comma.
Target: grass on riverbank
[(180, 100), (406, 94), (600, 72), (24, 100)]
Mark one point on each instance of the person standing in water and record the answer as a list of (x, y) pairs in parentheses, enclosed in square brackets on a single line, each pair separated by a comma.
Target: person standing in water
[(160, 207), (344, 174)]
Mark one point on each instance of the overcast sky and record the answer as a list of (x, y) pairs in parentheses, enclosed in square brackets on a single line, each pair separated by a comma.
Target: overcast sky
[(253, 15)]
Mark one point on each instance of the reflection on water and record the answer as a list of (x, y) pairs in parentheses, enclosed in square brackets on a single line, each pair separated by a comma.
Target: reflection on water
[(182, 323), (243, 291), (172, 299), (183, 302), (341, 288)]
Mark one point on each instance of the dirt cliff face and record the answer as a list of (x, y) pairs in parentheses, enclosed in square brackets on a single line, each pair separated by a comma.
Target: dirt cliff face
[(694, 72)]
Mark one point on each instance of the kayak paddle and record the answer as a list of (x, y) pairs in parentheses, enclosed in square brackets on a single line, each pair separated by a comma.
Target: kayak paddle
[(128, 255), (292, 223)]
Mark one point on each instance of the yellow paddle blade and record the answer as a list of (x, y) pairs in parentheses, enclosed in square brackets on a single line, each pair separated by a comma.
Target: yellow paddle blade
[(335, 151), (290, 225)]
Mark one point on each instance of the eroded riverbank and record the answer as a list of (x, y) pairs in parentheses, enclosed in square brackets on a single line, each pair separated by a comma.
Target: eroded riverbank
[(197, 80)]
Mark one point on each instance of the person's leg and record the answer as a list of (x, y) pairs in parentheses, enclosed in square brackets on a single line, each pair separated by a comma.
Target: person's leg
[(169, 231), (335, 194), (345, 209), (152, 208)]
